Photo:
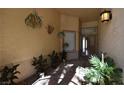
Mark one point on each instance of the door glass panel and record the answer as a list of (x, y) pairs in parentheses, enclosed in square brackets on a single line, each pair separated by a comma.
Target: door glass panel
[(83, 42), (84, 46), (70, 39)]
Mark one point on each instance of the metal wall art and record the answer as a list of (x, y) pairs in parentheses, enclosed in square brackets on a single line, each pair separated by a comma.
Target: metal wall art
[(50, 29), (33, 20)]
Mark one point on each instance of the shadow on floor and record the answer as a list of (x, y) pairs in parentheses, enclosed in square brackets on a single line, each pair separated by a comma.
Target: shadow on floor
[(65, 72), (61, 75)]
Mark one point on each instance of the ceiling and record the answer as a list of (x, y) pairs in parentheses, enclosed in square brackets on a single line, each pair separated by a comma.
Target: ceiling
[(85, 14)]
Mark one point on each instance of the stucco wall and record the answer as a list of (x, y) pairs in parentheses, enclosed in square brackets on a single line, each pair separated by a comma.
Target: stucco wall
[(90, 24), (111, 37), (20, 43)]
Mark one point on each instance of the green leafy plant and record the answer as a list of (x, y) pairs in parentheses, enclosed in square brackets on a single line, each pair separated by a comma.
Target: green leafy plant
[(8, 74), (102, 73), (54, 59), (117, 75), (40, 64), (61, 34), (110, 61), (63, 54)]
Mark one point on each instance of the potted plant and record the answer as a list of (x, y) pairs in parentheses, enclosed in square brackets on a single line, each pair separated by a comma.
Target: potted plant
[(63, 53), (101, 73), (61, 34), (54, 59), (40, 64), (8, 75)]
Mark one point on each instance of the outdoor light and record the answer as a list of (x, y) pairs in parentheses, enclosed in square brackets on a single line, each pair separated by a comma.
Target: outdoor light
[(106, 16)]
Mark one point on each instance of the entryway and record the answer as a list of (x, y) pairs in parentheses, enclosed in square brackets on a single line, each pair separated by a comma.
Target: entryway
[(88, 41)]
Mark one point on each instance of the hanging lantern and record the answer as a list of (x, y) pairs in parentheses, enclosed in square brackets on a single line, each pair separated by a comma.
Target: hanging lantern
[(106, 16)]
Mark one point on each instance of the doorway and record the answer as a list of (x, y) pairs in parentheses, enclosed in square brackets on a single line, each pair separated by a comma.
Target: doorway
[(88, 41), (84, 45), (70, 39)]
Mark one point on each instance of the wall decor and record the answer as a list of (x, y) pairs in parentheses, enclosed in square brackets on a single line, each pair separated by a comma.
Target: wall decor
[(50, 28), (33, 20)]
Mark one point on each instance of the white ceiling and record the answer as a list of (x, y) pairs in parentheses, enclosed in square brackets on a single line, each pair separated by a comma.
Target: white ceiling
[(85, 14)]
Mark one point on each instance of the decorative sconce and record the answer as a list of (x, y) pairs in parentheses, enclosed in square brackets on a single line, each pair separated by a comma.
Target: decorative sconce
[(106, 15), (33, 20), (50, 28)]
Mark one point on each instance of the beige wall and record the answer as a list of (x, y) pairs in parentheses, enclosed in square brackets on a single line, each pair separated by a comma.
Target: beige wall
[(1, 35), (111, 37), (20, 43), (71, 23), (90, 24)]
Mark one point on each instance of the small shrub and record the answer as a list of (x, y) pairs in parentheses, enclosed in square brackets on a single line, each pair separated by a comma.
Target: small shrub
[(8, 74), (101, 72), (54, 59), (40, 64)]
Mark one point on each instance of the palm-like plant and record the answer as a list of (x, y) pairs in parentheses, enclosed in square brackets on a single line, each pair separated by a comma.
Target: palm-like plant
[(102, 73)]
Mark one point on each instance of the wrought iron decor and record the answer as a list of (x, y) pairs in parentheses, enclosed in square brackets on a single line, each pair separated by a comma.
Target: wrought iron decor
[(50, 28), (33, 20)]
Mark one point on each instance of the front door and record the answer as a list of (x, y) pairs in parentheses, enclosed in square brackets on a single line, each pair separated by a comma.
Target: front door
[(70, 39)]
